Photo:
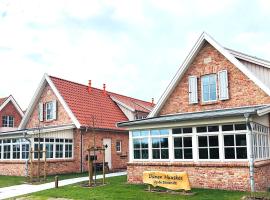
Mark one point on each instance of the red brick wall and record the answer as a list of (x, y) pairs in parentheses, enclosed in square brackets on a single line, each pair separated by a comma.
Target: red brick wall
[(119, 160), (227, 176), (11, 110), (62, 116), (242, 91), (12, 168)]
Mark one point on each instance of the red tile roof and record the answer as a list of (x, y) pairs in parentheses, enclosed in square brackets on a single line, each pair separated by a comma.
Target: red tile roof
[(85, 105), (2, 100)]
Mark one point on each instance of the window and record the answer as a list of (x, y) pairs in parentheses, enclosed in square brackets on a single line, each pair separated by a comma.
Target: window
[(59, 147), (68, 148), (0, 149), (160, 145), (182, 141), (140, 147), (25, 151), (49, 147), (8, 121), (118, 146), (235, 146), (38, 147), (208, 147), (49, 110), (7, 149), (16, 149), (209, 88)]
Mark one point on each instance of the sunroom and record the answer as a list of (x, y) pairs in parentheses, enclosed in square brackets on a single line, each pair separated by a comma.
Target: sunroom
[(237, 137)]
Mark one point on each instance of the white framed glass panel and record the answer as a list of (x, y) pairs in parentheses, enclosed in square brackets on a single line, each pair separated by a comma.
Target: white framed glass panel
[(209, 88)]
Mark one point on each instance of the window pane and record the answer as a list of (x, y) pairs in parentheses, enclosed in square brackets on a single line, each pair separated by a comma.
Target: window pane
[(228, 140), (164, 153), (240, 127), (241, 140), (135, 133), (203, 153), (241, 152), (164, 142), (154, 132), (213, 95), (213, 141), (156, 153), (145, 154), (188, 153), (137, 154), (213, 129), (155, 143), (177, 131), (228, 127), (144, 133), (202, 141), (164, 132), (187, 142), (214, 153), (229, 153), (178, 142), (136, 143), (178, 154), (144, 143), (187, 130), (201, 129)]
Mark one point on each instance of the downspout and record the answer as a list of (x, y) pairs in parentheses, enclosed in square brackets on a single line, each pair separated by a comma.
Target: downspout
[(81, 150), (27, 161), (251, 153)]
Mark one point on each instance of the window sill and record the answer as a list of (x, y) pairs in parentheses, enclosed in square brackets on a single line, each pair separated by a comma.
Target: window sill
[(209, 103)]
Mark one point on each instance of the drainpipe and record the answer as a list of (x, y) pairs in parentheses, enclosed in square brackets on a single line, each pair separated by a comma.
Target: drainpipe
[(81, 150), (27, 161), (251, 154)]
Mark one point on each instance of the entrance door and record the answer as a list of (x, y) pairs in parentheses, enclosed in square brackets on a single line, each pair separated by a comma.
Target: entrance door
[(108, 152)]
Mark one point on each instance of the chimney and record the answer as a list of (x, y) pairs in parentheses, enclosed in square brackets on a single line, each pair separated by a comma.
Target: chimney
[(104, 89), (152, 103), (89, 86)]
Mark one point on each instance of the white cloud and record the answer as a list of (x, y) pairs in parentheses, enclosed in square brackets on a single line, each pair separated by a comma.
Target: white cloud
[(264, 5)]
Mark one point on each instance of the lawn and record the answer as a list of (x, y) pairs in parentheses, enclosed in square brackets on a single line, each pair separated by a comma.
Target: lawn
[(6, 181), (118, 189)]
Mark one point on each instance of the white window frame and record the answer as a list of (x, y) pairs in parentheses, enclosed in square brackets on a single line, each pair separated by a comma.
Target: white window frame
[(120, 146), (132, 146), (182, 135), (8, 119), (202, 91), (46, 111)]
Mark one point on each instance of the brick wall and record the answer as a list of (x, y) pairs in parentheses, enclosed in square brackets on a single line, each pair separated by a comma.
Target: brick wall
[(239, 86), (119, 160), (227, 176), (62, 116), (10, 110)]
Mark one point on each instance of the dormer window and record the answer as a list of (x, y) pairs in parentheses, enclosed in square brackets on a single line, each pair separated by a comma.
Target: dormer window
[(8, 121), (209, 88)]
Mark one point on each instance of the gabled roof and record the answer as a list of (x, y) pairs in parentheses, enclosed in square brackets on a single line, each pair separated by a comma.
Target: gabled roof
[(4, 101), (209, 114), (192, 54), (131, 103), (81, 105)]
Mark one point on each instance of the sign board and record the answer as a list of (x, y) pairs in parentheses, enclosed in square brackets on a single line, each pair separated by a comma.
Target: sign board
[(169, 180)]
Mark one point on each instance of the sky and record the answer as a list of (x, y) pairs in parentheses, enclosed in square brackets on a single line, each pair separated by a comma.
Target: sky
[(135, 47)]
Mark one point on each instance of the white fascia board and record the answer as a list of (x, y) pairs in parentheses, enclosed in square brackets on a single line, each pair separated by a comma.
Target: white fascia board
[(62, 101), (33, 103), (249, 58), (36, 97), (263, 111), (52, 129), (122, 104), (10, 98), (205, 37), (177, 76)]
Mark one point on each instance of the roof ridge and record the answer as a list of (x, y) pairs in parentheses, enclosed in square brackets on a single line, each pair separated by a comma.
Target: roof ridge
[(96, 88)]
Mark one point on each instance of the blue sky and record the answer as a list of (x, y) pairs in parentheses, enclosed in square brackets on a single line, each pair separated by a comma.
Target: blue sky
[(135, 47)]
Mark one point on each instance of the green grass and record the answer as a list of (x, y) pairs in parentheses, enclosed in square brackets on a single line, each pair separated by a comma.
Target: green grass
[(6, 181), (118, 189)]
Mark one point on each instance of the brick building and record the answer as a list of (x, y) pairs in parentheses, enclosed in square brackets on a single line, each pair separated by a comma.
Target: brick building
[(11, 114), (67, 115), (212, 121)]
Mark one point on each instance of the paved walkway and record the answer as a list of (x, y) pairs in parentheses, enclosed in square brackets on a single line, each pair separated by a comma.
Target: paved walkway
[(17, 190)]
